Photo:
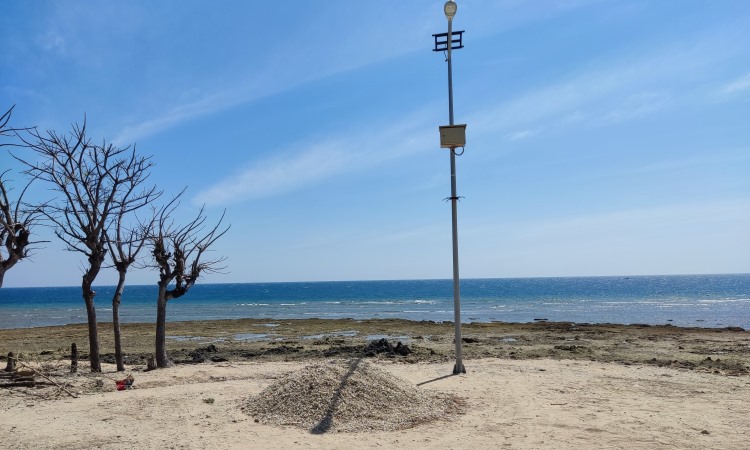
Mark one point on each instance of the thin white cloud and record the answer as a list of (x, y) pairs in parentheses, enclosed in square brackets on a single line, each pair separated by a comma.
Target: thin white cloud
[(53, 41), (642, 221), (617, 90), (638, 105), (292, 63), (677, 238), (301, 60), (185, 112), (520, 134), (303, 166), (724, 157), (611, 94), (740, 85), (281, 174)]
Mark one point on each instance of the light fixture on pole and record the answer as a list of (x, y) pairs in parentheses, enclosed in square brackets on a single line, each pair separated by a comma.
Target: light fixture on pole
[(452, 137)]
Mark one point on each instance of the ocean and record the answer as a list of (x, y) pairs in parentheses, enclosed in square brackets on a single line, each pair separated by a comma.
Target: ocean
[(684, 300)]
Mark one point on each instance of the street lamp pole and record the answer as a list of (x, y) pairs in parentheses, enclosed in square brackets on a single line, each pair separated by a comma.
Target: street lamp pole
[(450, 9)]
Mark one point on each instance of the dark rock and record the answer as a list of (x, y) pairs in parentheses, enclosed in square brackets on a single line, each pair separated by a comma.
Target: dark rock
[(569, 348), (468, 340), (282, 350), (342, 350), (401, 349), (196, 356), (218, 359), (382, 346)]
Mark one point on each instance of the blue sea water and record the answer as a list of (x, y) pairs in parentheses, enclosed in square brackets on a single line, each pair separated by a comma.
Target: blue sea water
[(685, 300)]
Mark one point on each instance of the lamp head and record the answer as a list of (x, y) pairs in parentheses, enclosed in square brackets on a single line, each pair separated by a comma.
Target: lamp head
[(450, 8)]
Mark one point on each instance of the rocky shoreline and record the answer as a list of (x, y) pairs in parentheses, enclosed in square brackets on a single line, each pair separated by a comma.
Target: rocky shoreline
[(723, 351)]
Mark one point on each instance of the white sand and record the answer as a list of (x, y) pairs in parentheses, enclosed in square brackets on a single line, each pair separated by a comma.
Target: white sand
[(528, 404)]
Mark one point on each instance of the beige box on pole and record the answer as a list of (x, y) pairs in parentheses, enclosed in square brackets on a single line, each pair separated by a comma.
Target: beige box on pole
[(452, 136)]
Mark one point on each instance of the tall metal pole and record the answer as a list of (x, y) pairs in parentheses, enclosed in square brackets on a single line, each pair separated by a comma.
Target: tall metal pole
[(459, 367)]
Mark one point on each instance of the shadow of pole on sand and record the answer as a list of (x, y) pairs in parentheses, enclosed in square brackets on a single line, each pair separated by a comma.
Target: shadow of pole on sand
[(326, 422), (437, 379)]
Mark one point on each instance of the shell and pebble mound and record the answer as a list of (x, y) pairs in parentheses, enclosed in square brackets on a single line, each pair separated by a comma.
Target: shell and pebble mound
[(348, 396)]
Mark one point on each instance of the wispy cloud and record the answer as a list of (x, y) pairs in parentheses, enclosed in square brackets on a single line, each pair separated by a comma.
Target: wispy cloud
[(300, 59), (294, 62), (281, 174), (617, 89), (717, 157), (740, 85), (181, 113), (52, 41), (638, 105), (307, 165), (606, 95), (520, 134), (685, 161), (642, 221), (676, 238)]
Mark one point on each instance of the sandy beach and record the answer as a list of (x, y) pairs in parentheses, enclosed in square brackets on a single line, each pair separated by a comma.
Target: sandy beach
[(538, 385)]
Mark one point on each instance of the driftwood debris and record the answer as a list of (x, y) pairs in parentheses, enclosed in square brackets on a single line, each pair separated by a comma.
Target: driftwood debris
[(17, 378), (27, 377), (59, 386)]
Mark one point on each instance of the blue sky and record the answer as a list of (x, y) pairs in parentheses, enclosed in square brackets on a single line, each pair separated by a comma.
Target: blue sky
[(603, 138)]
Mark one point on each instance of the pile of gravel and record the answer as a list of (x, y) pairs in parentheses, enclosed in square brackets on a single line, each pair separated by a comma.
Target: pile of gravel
[(348, 396)]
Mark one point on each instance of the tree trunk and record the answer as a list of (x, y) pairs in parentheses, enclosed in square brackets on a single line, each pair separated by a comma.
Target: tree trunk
[(161, 328), (94, 358), (116, 320), (5, 265), (88, 297)]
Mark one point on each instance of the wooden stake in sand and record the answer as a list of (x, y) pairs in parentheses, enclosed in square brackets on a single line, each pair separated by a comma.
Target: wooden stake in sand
[(73, 358), (11, 366)]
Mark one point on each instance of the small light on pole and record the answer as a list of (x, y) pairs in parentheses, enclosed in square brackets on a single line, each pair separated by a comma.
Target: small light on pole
[(453, 136), (450, 8)]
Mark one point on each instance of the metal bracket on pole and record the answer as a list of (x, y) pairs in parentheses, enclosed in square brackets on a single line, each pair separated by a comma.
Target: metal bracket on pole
[(441, 41)]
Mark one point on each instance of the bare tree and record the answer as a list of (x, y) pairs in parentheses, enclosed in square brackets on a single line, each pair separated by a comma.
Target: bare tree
[(180, 256), (90, 181), (15, 228), (16, 220), (5, 128), (126, 244)]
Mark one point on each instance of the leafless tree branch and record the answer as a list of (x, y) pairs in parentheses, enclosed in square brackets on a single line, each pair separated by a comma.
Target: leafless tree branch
[(16, 218), (179, 256), (95, 184)]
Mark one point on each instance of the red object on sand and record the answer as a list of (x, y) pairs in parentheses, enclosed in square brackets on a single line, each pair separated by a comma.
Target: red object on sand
[(125, 383)]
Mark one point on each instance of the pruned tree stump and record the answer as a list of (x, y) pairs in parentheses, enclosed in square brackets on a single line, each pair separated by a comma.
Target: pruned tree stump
[(11, 365)]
